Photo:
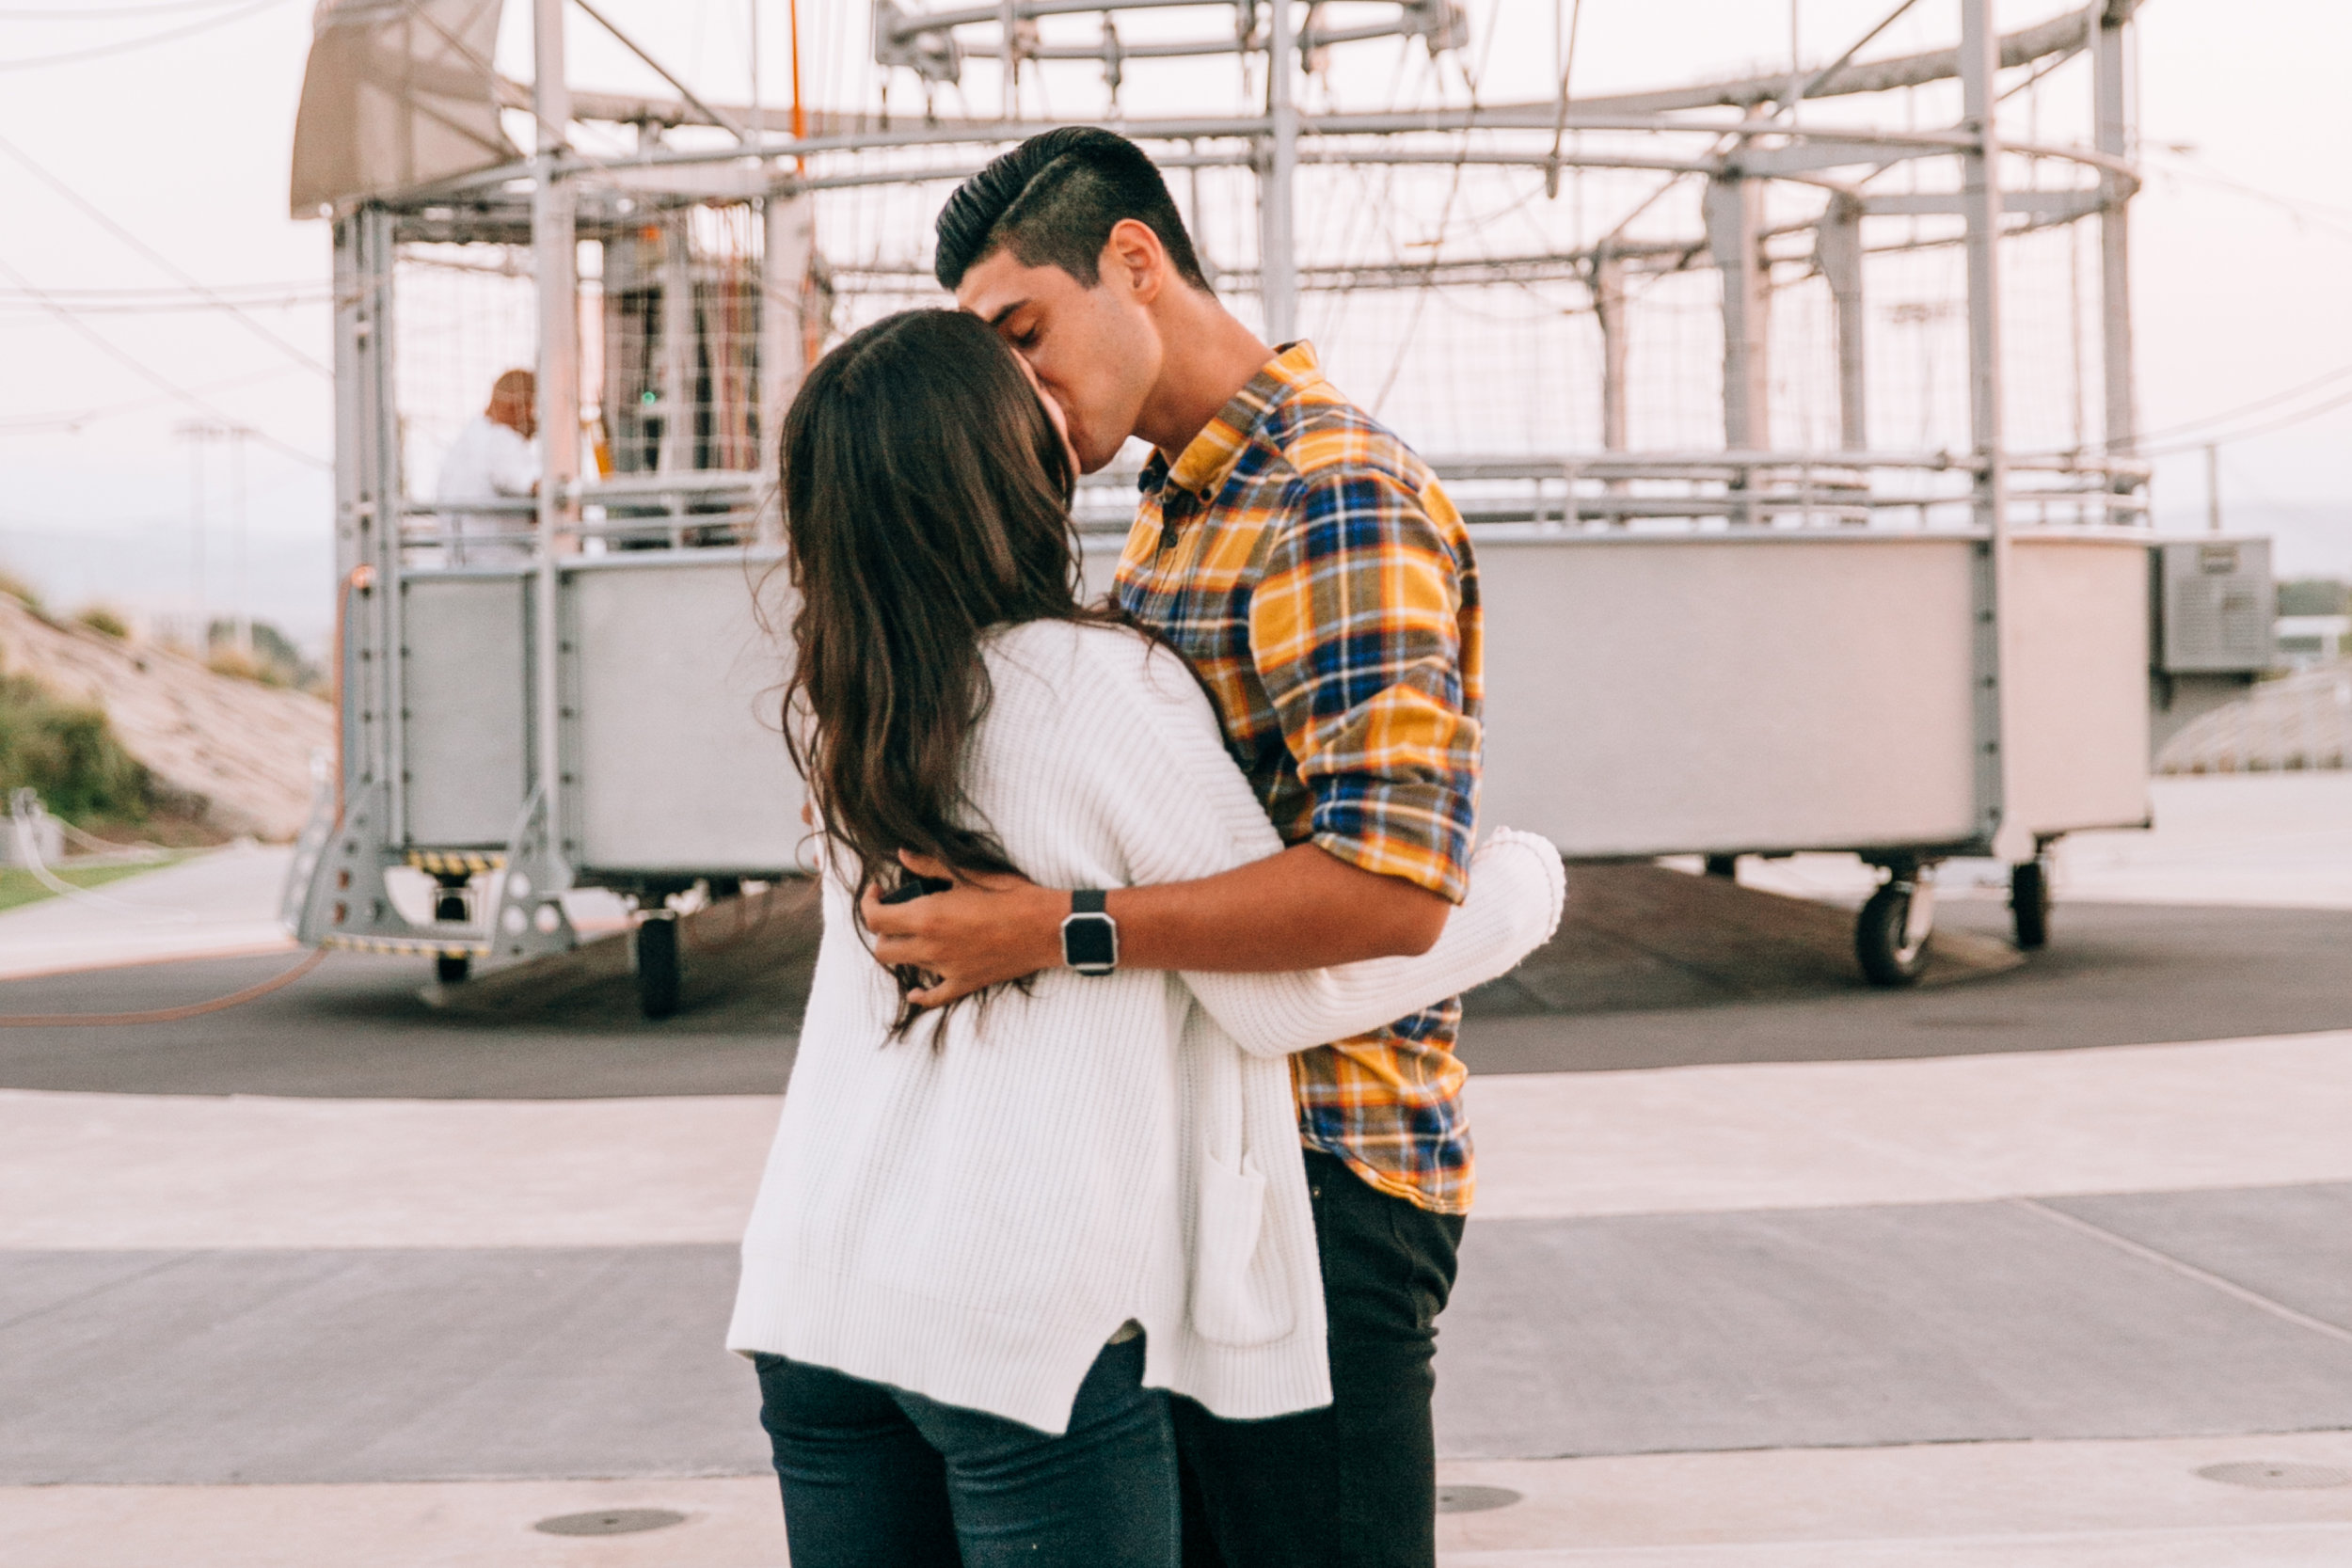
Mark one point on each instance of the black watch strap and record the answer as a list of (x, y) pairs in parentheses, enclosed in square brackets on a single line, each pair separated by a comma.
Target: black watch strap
[(1089, 900)]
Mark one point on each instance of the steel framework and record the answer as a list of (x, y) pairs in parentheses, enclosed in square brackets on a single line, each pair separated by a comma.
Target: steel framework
[(1783, 192)]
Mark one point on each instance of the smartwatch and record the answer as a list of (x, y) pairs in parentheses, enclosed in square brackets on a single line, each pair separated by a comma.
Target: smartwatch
[(1090, 937)]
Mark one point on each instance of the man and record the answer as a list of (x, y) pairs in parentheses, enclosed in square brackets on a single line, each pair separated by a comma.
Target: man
[(492, 460), (1310, 568)]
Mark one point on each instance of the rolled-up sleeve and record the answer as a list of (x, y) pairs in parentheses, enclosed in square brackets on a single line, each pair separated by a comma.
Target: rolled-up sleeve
[(1357, 630)]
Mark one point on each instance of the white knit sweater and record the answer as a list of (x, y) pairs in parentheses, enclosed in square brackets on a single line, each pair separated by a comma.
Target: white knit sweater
[(973, 1222)]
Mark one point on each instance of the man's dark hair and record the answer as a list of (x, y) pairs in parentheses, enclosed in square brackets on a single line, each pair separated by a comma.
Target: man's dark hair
[(1055, 199)]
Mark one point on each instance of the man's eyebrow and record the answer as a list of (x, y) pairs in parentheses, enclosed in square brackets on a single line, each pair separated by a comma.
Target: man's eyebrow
[(998, 319)]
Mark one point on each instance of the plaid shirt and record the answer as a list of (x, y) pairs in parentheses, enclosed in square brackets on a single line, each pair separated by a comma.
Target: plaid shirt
[(1309, 567)]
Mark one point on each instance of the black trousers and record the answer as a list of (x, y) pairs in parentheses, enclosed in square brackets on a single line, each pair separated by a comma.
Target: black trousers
[(1355, 1485)]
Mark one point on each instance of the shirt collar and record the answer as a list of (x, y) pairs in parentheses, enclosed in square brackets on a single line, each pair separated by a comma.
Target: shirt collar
[(1201, 468)]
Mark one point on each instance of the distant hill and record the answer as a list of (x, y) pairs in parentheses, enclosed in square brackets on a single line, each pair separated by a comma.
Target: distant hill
[(238, 752)]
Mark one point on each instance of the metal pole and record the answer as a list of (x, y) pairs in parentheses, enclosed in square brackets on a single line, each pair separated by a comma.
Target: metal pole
[(2213, 487), (787, 246), (1837, 247), (2112, 137), (1980, 201), (196, 434), (1279, 262), (1609, 307), (555, 263), (241, 619), (1006, 23)]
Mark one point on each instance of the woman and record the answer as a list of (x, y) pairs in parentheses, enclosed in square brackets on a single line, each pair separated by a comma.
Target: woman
[(991, 1239)]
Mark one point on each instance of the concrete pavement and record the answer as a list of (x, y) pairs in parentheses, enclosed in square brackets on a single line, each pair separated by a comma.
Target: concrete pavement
[(2049, 1271)]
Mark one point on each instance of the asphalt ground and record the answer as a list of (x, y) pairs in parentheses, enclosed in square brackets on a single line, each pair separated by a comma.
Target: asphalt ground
[(359, 1026)]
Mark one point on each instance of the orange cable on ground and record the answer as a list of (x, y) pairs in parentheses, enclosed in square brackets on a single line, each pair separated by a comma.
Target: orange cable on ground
[(169, 1014)]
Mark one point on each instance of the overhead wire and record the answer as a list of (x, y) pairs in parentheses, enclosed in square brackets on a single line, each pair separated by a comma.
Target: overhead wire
[(1445, 214), (98, 216), (104, 13), (147, 41), (2268, 428), (149, 373), (2258, 406), (32, 423)]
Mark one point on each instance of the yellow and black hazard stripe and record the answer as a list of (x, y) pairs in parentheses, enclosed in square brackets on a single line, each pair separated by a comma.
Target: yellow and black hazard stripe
[(457, 862), (437, 946)]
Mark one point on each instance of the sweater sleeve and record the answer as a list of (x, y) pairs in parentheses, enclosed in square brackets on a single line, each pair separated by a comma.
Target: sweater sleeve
[(1516, 888), (1183, 810)]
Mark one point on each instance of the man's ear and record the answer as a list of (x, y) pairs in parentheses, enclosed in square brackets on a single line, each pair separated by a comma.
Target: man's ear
[(1136, 258)]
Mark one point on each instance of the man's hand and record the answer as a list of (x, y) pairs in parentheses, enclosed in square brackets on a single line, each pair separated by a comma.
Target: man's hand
[(983, 931), (1302, 908)]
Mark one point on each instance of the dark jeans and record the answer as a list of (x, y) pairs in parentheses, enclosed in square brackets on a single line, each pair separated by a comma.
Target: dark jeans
[(874, 1476), (1355, 1485)]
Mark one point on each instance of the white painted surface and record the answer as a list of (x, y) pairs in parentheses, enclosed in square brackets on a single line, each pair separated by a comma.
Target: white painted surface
[(218, 903), (99, 1171), (681, 764), (2077, 681), (2277, 840), (1704, 692), (126, 1171), (465, 712), (1815, 1134), (1956, 1505)]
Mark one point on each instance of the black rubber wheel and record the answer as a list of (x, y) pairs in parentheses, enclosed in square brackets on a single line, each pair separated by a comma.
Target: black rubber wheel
[(1724, 865), (2029, 903), (1880, 939), (657, 966), (451, 968)]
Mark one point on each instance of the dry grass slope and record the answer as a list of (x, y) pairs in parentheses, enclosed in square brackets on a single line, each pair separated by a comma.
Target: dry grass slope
[(243, 750)]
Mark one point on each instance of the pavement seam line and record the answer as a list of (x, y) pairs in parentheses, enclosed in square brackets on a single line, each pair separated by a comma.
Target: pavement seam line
[(173, 1259), (2186, 1270), (1536, 1556)]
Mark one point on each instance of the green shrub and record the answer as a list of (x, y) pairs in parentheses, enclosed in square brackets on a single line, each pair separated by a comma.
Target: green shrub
[(275, 660), (2314, 597), (22, 591), (105, 622), (69, 753)]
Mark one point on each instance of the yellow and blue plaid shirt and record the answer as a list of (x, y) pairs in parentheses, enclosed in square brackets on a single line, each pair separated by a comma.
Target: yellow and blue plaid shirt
[(1307, 564)]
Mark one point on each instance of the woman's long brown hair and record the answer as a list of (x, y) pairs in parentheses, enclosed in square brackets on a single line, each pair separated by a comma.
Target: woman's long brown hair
[(926, 500)]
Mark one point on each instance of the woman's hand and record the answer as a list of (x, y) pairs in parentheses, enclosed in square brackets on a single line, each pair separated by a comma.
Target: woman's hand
[(986, 929)]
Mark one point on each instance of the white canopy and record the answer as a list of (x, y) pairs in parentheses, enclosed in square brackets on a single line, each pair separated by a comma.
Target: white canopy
[(398, 94)]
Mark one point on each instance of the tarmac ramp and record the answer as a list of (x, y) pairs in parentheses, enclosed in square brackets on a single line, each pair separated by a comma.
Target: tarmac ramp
[(1633, 937)]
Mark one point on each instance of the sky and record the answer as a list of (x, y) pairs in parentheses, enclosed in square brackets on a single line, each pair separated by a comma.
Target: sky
[(176, 131)]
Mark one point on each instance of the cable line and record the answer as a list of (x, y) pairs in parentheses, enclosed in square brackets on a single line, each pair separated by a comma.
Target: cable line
[(167, 36), (104, 13), (152, 377), (2254, 407), (212, 295), (2286, 423)]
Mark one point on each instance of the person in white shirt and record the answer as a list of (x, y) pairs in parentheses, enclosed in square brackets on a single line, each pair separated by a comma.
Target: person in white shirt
[(993, 1237), (492, 460)]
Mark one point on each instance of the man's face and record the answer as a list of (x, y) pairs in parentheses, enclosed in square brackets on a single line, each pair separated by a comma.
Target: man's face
[(1095, 352)]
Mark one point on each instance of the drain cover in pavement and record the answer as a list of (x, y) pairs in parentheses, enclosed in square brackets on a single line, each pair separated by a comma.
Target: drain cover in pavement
[(2260, 1472), (611, 1521), (1474, 1499)]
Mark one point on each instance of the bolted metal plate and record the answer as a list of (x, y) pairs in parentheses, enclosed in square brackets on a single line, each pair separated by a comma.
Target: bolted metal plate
[(1474, 1499), (2277, 1477), (611, 1521)]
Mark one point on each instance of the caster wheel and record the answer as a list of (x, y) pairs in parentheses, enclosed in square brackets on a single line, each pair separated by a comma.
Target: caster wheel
[(1724, 865), (450, 969), (658, 975), (2029, 903), (1890, 935)]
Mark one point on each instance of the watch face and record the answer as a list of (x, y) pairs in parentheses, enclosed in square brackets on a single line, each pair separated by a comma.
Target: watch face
[(1090, 942)]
